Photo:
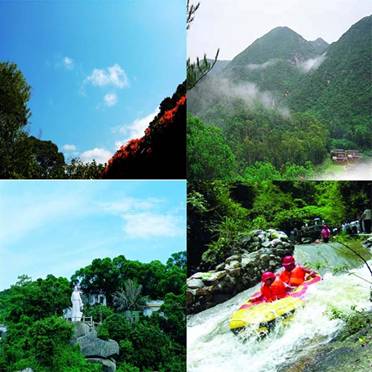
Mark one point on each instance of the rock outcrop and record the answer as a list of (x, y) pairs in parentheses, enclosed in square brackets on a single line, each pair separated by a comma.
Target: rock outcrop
[(107, 364), (95, 349), (258, 252), (342, 354)]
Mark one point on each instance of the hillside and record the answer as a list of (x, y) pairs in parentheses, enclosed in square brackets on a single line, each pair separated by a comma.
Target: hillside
[(285, 101), (340, 89), (117, 333), (274, 62), (160, 153), (319, 45), (281, 42)]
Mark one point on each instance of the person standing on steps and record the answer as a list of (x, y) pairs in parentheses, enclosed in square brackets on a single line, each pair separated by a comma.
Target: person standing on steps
[(325, 233), (366, 217)]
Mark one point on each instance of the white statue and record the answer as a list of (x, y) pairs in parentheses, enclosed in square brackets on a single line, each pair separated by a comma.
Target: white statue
[(77, 305)]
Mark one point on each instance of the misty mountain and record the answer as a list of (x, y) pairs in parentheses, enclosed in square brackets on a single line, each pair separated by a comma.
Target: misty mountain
[(339, 91), (284, 71), (280, 43), (274, 63)]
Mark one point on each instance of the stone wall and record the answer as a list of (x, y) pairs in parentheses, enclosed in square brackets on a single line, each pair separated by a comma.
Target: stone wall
[(257, 252)]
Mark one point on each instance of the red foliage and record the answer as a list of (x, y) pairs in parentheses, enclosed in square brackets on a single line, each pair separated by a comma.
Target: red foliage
[(168, 116), (136, 147)]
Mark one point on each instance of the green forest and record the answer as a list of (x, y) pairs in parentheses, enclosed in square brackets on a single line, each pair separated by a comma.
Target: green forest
[(271, 115), (220, 213), (38, 336)]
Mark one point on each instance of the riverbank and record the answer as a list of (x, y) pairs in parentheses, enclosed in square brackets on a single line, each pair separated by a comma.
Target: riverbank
[(342, 354), (253, 254), (212, 346)]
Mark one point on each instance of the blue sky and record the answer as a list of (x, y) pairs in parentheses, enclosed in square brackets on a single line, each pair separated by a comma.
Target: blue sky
[(98, 72), (58, 227)]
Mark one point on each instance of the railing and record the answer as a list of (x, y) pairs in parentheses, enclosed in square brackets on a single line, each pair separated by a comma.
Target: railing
[(88, 320)]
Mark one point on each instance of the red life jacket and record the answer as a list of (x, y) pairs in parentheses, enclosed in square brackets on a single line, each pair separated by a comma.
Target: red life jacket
[(295, 277), (275, 291)]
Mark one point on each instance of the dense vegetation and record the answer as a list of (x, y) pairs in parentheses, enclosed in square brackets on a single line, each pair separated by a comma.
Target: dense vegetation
[(149, 156), (38, 337), (219, 212), (253, 137), (339, 91), (284, 103)]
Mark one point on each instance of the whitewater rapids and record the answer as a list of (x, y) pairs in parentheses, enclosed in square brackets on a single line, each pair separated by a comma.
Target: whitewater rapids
[(212, 347)]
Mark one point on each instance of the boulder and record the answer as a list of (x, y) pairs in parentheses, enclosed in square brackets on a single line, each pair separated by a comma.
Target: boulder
[(83, 329), (232, 265), (194, 283), (234, 257), (198, 275), (91, 346), (220, 267), (258, 252), (108, 365), (212, 277)]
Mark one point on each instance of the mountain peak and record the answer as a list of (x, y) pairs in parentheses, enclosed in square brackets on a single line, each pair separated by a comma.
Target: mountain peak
[(320, 45), (283, 32), (281, 29), (319, 40), (279, 43)]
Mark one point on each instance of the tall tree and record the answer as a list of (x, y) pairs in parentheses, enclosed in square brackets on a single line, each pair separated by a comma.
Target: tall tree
[(14, 114), (196, 71), (130, 297)]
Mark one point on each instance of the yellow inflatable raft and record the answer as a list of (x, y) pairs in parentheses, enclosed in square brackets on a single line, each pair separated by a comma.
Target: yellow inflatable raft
[(259, 314)]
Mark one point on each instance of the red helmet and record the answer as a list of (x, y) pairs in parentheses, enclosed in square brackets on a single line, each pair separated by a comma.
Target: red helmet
[(267, 275), (288, 260)]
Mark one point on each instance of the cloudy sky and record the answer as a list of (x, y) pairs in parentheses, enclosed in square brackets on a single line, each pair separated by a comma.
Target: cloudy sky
[(98, 73), (58, 227), (234, 25)]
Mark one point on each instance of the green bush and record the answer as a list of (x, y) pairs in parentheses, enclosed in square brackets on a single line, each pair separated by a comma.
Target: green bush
[(355, 320)]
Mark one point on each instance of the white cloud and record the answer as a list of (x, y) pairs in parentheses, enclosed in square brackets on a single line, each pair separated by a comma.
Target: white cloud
[(148, 225), (146, 218), (131, 204), (312, 63), (113, 75), (100, 155), (68, 63), (262, 66), (110, 99), (136, 129), (69, 148)]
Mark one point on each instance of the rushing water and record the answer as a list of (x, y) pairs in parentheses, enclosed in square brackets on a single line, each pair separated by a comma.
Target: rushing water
[(212, 347)]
